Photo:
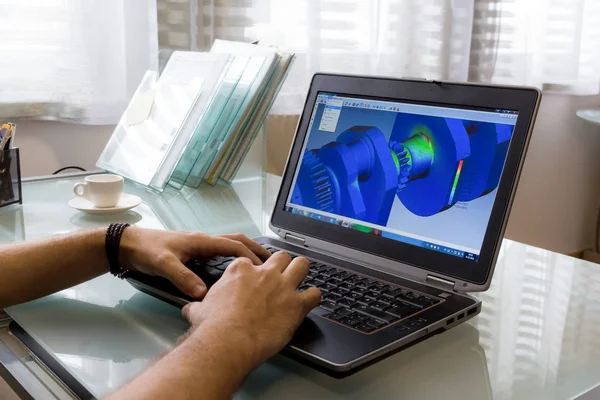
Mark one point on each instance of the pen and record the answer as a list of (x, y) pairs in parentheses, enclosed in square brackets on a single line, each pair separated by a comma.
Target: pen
[(12, 132), (3, 138)]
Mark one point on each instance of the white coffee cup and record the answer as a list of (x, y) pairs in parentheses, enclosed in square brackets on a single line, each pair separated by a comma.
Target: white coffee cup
[(103, 190)]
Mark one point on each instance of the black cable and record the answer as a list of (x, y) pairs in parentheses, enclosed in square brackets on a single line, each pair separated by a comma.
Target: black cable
[(69, 167)]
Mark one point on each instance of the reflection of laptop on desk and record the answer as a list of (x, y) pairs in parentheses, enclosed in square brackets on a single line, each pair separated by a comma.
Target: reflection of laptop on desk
[(398, 192)]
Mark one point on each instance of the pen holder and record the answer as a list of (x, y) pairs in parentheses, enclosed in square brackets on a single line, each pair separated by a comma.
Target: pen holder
[(10, 178)]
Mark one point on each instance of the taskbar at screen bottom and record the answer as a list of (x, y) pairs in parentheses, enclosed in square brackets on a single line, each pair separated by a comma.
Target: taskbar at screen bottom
[(389, 235)]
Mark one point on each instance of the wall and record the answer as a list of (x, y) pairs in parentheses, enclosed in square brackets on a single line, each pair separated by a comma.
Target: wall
[(559, 193), (47, 146), (555, 206)]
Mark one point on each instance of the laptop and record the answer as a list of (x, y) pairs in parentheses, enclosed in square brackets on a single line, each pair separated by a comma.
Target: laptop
[(398, 193)]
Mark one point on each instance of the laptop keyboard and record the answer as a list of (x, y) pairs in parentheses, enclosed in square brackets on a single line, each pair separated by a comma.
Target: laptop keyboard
[(356, 301), (360, 302)]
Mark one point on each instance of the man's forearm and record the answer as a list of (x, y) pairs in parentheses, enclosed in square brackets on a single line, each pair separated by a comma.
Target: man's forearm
[(35, 269), (209, 364)]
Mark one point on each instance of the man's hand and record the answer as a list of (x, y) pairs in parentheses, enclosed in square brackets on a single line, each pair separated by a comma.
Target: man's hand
[(163, 253), (247, 316), (255, 309)]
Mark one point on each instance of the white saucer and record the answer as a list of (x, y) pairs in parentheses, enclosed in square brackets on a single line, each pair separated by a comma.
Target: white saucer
[(126, 202)]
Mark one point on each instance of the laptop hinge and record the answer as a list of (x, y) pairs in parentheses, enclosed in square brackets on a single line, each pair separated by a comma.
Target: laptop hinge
[(295, 239), (440, 283)]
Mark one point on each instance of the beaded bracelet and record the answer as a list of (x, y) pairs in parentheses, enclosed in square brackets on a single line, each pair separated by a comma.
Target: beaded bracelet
[(111, 246)]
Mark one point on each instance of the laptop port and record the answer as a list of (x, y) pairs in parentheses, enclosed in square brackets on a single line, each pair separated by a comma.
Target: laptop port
[(459, 317), (450, 321), (472, 311)]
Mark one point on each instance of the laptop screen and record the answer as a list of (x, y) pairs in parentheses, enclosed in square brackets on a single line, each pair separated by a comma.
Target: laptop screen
[(421, 174)]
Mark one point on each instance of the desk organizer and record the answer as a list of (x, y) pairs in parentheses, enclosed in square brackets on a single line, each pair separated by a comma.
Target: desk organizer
[(10, 178)]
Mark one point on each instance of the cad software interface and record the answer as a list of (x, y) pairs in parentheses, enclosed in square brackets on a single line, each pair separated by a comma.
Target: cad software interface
[(420, 174)]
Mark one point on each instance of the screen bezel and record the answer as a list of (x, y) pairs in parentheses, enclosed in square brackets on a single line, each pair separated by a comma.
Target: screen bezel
[(523, 100)]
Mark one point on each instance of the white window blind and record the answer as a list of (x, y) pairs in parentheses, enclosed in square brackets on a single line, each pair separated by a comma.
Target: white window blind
[(81, 61), (533, 294), (195, 24), (552, 44), (74, 60), (428, 38)]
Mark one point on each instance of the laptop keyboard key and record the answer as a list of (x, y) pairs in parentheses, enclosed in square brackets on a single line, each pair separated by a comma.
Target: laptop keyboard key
[(335, 316), (333, 298), (366, 300), (346, 302), (386, 288), (401, 310), (387, 298), (425, 301), (343, 275), (326, 287), (366, 283), (330, 271), (372, 294), (352, 296), (354, 279), (353, 319), (375, 323), (339, 314), (397, 292), (380, 306), (363, 308), (409, 300), (359, 290), (344, 311), (327, 305), (346, 286), (317, 268), (380, 315), (378, 286), (363, 284)]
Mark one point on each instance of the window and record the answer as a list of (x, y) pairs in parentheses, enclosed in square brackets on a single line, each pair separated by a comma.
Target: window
[(74, 60), (553, 44)]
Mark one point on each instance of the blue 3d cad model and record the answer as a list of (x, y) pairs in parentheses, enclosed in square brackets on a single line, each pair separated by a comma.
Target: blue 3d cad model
[(429, 162)]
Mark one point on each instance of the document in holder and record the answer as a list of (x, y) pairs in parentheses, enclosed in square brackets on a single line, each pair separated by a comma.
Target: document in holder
[(160, 118)]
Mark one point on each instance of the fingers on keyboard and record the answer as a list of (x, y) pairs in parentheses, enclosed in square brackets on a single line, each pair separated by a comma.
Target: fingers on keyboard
[(358, 302)]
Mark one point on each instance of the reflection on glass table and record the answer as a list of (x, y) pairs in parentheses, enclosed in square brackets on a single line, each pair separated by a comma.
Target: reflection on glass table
[(12, 224), (212, 209), (591, 115), (539, 325)]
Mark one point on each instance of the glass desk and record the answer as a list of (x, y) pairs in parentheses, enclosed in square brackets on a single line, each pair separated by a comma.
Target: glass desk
[(538, 336)]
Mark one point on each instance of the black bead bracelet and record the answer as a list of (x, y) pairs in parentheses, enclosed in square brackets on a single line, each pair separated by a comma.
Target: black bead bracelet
[(111, 245)]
